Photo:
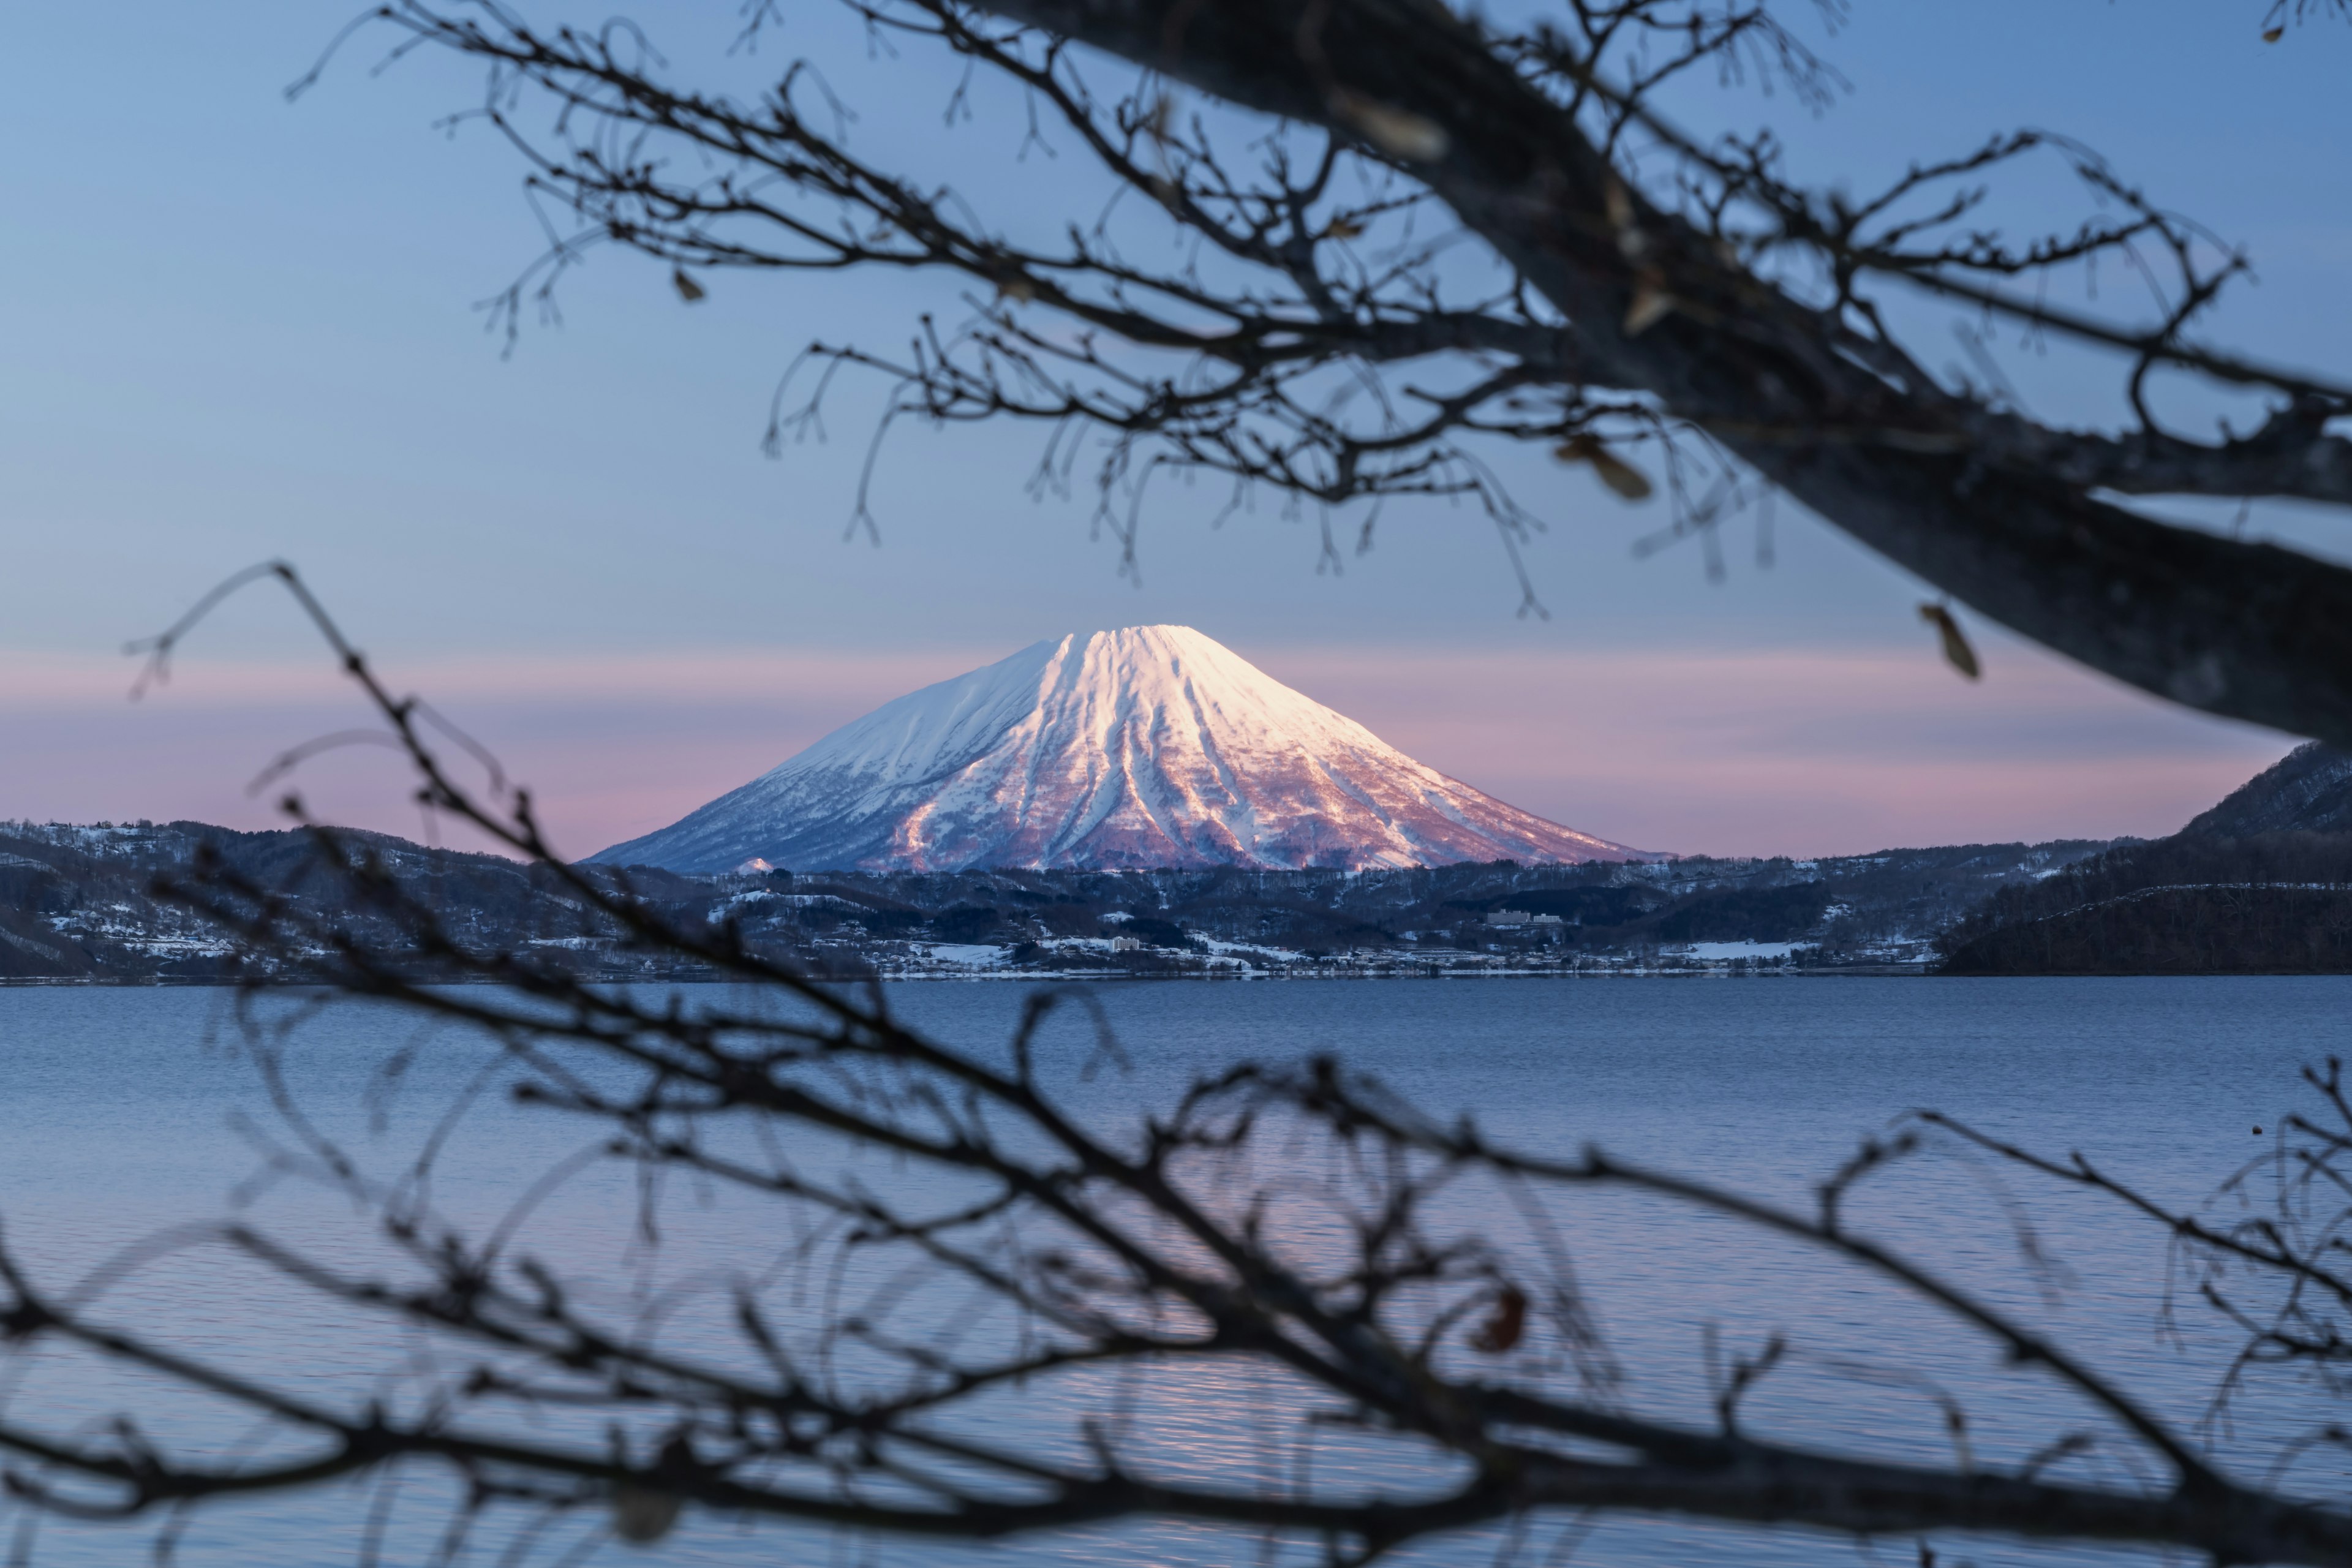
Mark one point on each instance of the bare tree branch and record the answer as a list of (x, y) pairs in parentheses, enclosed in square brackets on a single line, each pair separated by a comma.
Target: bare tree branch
[(1512, 221)]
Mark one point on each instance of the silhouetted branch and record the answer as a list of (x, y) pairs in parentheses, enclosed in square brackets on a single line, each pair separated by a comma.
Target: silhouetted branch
[(1451, 239)]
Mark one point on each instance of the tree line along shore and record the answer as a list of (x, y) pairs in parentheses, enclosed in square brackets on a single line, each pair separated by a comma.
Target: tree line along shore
[(2261, 884)]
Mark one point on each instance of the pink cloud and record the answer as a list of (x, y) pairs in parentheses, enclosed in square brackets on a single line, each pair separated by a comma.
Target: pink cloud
[(1798, 751)]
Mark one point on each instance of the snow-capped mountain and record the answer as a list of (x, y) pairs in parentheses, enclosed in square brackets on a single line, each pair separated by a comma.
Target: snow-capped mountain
[(1149, 746)]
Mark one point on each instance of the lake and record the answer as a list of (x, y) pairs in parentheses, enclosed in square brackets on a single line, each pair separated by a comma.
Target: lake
[(131, 1115)]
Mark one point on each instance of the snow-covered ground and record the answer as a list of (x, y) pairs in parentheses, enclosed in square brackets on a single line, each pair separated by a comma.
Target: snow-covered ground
[(1081, 958), (967, 955), (1724, 951)]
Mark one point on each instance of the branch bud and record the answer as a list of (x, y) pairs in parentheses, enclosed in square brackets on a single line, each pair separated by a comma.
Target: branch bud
[(1957, 651), (642, 1516), (1399, 132), (1612, 470)]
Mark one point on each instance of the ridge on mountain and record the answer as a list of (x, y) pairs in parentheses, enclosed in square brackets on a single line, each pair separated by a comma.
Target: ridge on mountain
[(1142, 747), (2309, 790)]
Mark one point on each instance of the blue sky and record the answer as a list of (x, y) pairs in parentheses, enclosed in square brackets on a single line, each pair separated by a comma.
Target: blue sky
[(237, 328)]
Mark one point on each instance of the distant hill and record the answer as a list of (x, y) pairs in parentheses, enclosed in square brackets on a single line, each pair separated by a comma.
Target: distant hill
[(2261, 884), (1144, 747), (82, 902), (2307, 791)]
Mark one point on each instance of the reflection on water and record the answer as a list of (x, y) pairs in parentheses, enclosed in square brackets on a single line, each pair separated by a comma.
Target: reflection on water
[(129, 1113)]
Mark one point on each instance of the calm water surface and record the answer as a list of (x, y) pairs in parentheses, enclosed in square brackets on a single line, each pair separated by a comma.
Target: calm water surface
[(124, 1115)]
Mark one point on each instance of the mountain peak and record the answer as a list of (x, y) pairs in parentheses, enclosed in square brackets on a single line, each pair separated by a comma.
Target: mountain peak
[(1129, 747)]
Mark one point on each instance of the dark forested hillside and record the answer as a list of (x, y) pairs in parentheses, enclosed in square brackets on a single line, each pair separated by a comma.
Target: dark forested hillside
[(86, 902), (2261, 884), (2307, 791), (2268, 904)]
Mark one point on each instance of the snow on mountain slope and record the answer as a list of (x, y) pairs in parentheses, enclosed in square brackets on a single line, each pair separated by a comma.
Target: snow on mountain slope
[(1151, 746)]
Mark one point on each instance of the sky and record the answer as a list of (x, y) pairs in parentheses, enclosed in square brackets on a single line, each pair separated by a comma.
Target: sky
[(237, 328)]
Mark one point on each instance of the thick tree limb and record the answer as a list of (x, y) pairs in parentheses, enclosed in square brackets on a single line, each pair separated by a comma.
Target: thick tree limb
[(2290, 456), (2249, 631)]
